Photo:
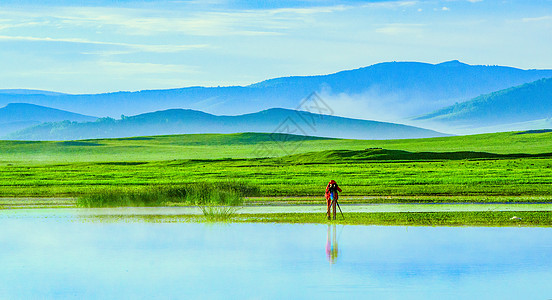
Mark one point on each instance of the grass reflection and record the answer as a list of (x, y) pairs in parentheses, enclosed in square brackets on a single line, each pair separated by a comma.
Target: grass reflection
[(463, 218)]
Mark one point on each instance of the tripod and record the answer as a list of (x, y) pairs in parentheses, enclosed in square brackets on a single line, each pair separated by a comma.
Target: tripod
[(333, 205)]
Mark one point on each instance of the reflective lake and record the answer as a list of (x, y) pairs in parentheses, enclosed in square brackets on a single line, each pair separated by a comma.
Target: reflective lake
[(44, 255)]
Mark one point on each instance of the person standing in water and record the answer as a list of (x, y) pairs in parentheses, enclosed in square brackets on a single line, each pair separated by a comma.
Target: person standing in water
[(331, 198)]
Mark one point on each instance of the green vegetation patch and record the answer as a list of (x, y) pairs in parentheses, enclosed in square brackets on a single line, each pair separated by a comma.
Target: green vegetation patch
[(529, 178), (253, 145), (510, 218), (375, 154), (79, 143), (500, 167), (221, 193), (468, 218)]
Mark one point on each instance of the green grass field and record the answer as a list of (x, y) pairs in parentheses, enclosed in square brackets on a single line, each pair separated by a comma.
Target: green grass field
[(496, 172), (250, 145)]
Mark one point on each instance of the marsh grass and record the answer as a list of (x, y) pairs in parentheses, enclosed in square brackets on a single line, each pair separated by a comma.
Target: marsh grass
[(219, 213), (467, 218), (486, 218), (199, 193)]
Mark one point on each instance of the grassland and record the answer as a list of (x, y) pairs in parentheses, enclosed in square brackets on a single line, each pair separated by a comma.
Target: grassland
[(250, 145), (503, 167), (416, 219)]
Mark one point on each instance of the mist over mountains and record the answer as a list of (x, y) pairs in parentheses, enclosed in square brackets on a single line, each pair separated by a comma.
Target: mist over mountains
[(387, 91), (184, 121), (450, 97), (527, 106)]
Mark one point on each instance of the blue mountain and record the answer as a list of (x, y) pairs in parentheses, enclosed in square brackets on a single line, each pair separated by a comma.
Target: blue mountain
[(409, 88), (182, 121), (524, 103), (16, 116), (28, 92)]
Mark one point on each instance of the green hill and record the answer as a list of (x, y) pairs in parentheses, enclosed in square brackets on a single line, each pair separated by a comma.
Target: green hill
[(252, 145), (468, 168), (378, 154), (527, 102)]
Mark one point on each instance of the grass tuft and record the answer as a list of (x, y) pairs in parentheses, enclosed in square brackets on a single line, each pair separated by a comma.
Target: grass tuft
[(218, 213), (199, 193)]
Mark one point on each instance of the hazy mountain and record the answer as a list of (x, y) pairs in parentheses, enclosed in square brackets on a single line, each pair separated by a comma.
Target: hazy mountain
[(517, 107), (16, 116), (385, 91), (180, 121), (28, 92)]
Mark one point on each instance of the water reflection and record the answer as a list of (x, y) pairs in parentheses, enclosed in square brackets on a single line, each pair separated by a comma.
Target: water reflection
[(50, 254), (332, 249)]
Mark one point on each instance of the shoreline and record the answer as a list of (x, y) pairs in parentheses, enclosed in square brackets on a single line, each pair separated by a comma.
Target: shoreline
[(296, 201), (485, 215), (283, 206)]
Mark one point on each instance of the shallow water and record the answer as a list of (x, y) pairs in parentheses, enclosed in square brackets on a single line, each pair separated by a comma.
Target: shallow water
[(192, 210), (49, 255)]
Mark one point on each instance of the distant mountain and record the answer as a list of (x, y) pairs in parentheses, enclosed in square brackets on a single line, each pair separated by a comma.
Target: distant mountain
[(180, 121), (529, 102), (28, 92), (16, 116), (386, 91)]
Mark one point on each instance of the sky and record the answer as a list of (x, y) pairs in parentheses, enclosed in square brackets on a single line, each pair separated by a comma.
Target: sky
[(100, 46)]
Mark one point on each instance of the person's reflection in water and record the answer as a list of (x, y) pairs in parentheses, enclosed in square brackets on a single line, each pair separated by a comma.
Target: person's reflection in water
[(331, 246)]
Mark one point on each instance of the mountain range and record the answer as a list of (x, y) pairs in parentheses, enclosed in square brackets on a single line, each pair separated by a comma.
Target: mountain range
[(180, 121), (28, 92), (389, 91), (451, 97)]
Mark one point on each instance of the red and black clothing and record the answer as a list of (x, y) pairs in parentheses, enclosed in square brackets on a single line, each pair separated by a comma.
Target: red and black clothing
[(331, 190)]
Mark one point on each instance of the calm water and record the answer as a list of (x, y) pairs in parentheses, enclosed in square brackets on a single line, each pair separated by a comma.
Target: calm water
[(49, 256)]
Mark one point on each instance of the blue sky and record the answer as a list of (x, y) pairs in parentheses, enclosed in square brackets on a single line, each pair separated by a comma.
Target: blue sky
[(103, 46)]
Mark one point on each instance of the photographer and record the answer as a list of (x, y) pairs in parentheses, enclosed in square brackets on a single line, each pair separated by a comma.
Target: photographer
[(331, 198)]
